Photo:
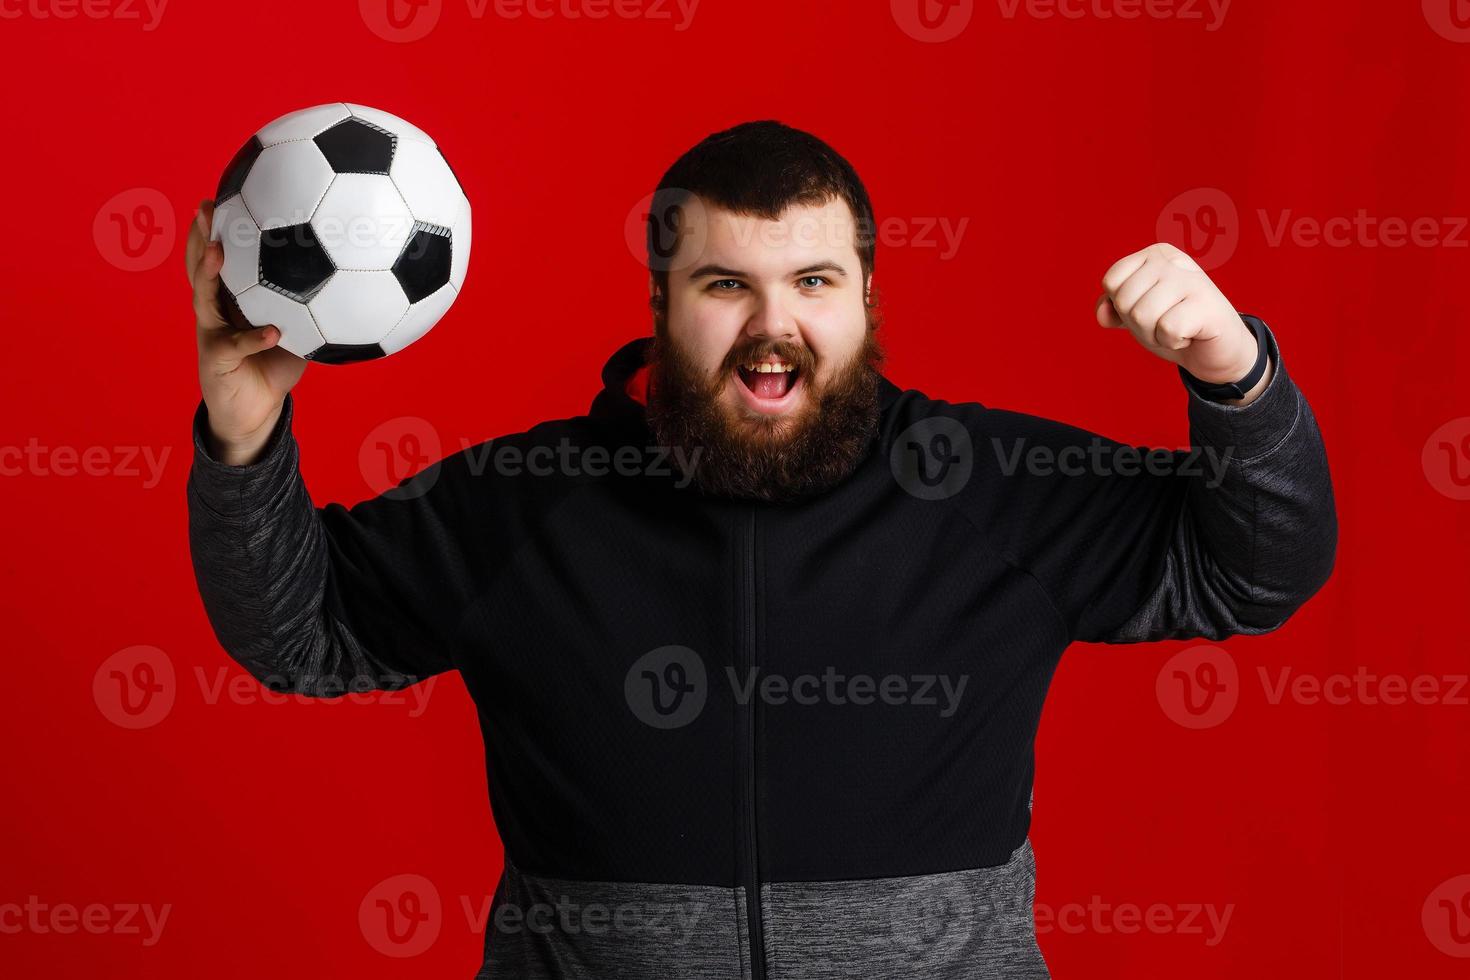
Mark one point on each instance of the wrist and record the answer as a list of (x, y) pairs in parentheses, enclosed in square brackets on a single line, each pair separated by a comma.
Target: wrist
[(1238, 384), (1260, 386), (240, 450)]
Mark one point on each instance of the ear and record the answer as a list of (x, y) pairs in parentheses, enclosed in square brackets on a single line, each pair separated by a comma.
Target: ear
[(868, 290)]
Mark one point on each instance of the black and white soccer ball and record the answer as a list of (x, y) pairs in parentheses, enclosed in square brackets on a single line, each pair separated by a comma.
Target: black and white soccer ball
[(346, 228)]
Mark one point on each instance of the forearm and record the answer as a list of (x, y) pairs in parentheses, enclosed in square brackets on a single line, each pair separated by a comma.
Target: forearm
[(1254, 541), (260, 558)]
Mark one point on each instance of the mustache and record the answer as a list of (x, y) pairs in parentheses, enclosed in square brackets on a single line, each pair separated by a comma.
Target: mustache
[(798, 355)]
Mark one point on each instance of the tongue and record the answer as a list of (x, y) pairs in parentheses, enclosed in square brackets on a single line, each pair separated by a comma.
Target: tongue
[(772, 385)]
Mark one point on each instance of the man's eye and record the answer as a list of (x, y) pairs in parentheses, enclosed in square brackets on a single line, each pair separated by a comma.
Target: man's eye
[(726, 285), (812, 282)]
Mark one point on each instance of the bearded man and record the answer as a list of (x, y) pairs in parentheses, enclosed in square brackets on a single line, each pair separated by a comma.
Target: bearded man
[(768, 713)]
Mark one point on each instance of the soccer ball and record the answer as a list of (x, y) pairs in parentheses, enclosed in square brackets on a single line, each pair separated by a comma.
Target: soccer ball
[(346, 228)]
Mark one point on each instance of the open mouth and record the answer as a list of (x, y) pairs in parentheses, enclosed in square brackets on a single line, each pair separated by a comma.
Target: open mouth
[(769, 384)]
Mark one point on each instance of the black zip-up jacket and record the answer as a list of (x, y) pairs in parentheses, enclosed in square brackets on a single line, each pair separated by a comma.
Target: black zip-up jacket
[(739, 740)]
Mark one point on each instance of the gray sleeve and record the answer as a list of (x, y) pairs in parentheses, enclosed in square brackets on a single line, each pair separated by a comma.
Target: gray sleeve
[(318, 601), (1252, 545)]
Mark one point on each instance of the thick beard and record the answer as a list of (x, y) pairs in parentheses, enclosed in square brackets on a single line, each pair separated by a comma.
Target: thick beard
[(767, 459)]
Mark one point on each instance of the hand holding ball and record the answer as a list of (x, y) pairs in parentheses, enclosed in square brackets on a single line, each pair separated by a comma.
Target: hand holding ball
[(346, 228)]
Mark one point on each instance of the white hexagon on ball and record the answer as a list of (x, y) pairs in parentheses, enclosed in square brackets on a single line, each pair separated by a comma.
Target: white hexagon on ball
[(362, 222)]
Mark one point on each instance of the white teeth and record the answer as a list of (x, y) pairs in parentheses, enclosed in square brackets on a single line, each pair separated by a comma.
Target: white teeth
[(768, 368)]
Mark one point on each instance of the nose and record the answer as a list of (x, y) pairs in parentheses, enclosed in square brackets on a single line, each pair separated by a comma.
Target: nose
[(770, 321)]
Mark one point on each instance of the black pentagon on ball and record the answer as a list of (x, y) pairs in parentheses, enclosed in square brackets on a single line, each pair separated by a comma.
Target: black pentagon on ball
[(293, 262), (357, 147), (237, 170), (422, 267), (345, 353)]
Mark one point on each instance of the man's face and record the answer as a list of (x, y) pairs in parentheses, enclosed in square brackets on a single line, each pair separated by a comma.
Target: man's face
[(765, 349), (783, 297)]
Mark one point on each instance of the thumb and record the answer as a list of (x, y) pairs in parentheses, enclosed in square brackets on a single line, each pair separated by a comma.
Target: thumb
[(248, 342), (1106, 313)]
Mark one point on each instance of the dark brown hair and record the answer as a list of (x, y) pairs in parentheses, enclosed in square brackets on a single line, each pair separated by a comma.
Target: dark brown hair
[(758, 169)]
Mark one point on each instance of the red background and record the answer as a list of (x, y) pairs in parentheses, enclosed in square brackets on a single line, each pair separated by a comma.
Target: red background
[(1325, 827)]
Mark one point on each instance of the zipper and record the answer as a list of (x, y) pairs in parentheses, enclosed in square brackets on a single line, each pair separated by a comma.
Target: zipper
[(748, 855)]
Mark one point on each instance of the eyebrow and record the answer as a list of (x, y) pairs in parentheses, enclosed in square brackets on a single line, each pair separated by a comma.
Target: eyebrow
[(706, 271)]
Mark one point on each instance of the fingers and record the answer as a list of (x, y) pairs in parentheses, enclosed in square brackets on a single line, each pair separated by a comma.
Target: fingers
[(1106, 313), (1141, 288), (1149, 312), (205, 280), (1133, 289), (1178, 327), (198, 235), (1122, 270), (222, 351)]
